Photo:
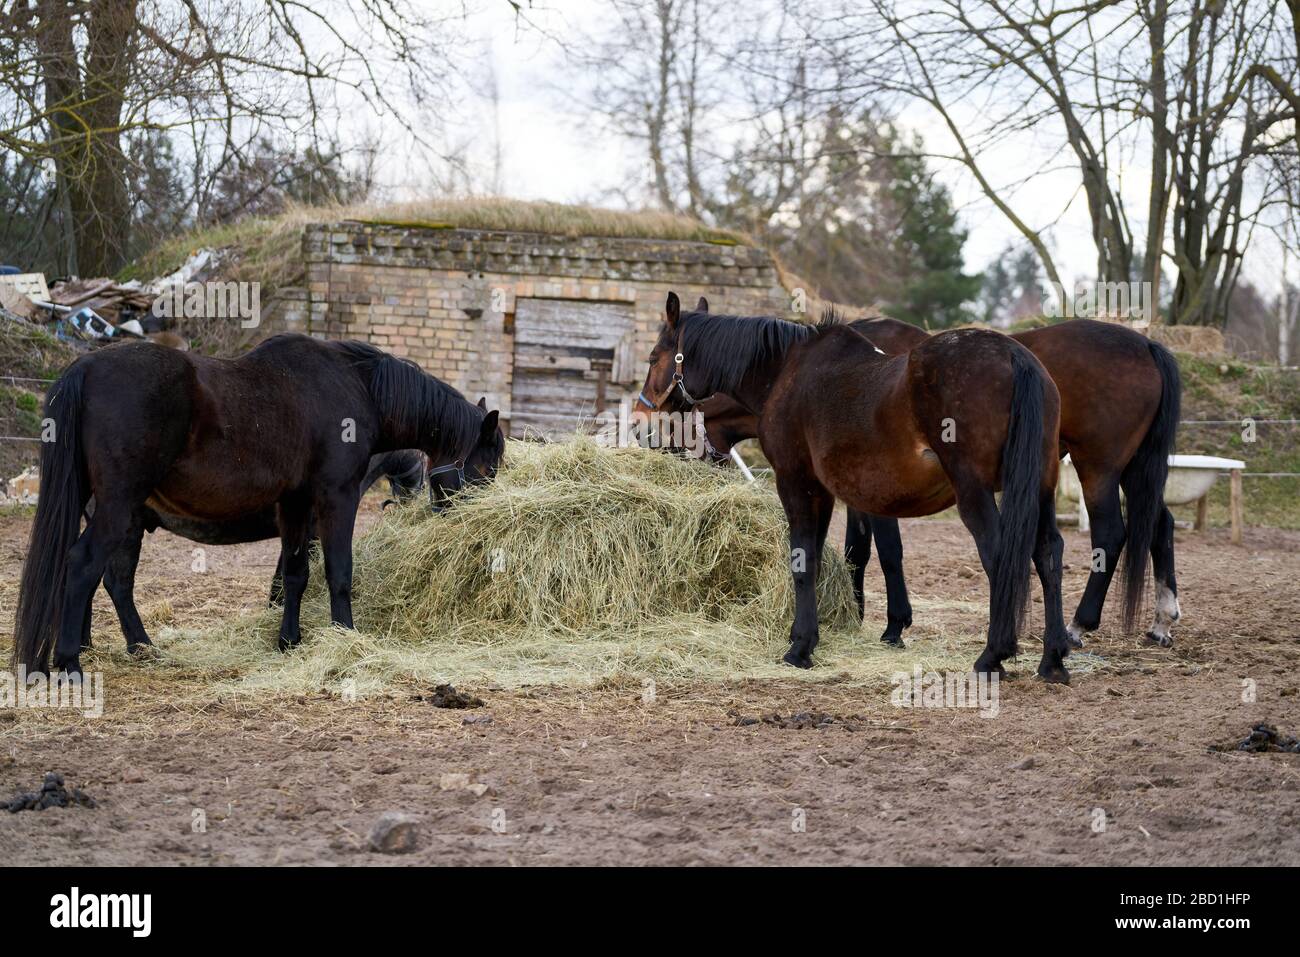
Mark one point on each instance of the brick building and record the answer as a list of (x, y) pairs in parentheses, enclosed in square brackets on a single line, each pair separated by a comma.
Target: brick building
[(545, 326)]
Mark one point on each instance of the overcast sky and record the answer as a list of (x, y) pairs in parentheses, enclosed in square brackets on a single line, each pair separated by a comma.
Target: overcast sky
[(551, 152)]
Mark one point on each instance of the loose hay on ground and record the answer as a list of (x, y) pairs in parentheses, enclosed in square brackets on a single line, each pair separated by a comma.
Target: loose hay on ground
[(579, 564)]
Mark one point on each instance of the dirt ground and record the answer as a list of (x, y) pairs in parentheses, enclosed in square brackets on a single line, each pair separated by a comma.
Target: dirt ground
[(1115, 769)]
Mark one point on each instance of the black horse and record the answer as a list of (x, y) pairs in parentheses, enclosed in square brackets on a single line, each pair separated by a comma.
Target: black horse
[(404, 470), (291, 426)]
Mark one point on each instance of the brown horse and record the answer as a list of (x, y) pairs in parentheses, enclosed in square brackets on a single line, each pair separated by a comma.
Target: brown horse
[(290, 426), (959, 417), (1114, 445)]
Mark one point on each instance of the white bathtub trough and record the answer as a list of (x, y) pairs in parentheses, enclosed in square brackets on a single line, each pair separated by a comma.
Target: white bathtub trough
[(1190, 479)]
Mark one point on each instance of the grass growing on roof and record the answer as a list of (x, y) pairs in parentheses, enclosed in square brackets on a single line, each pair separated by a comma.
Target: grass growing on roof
[(269, 249), (580, 565)]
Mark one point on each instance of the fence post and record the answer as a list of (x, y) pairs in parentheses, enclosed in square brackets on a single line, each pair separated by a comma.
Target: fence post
[(1236, 506)]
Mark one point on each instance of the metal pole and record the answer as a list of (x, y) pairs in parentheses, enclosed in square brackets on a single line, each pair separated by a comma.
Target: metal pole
[(740, 464)]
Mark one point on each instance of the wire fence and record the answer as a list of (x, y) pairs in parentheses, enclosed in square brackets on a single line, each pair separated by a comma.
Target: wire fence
[(15, 379), (1242, 421), (1185, 422)]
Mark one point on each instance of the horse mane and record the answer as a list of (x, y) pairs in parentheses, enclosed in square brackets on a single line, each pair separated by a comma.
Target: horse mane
[(735, 344), (412, 404), (831, 316)]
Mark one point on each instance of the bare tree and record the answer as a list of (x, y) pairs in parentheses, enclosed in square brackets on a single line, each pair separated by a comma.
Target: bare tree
[(1201, 88), (646, 70), (76, 76)]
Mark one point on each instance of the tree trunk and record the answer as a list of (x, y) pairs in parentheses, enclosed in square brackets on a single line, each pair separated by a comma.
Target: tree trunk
[(86, 115), (1158, 203)]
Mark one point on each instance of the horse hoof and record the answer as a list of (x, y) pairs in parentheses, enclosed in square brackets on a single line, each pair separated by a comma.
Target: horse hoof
[(791, 657), (143, 651), (1075, 641), (987, 664), (68, 666), (1054, 674), (894, 641), (284, 644), (1164, 641)]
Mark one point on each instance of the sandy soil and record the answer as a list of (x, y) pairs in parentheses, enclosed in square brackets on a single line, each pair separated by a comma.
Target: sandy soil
[(1115, 769)]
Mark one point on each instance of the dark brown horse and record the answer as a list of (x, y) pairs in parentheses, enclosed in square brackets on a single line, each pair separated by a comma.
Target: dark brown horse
[(291, 426), (1120, 396), (405, 471), (961, 416)]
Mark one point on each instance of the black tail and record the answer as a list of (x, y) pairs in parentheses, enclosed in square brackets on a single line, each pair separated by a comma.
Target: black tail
[(1022, 480), (63, 495), (1143, 481)]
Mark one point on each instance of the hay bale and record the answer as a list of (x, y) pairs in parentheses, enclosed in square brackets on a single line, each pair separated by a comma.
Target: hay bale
[(575, 538), (578, 563)]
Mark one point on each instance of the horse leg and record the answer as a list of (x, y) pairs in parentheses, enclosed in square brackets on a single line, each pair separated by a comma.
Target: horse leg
[(277, 577), (119, 582), (808, 506), (1048, 552), (294, 514), (85, 627), (979, 513), (857, 551), (336, 513), (111, 528), (277, 583), (1101, 498), (1162, 562), (889, 546)]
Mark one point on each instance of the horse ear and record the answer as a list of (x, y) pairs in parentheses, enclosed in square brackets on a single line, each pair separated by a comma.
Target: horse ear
[(482, 402), (673, 310), (489, 429), (702, 305)]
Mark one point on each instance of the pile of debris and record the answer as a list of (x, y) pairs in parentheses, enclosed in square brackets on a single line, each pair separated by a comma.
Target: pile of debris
[(98, 309), (80, 308), (117, 304), (23, 489)]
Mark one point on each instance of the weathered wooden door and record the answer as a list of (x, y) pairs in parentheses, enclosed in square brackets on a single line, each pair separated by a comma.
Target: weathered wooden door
[(566, 353)]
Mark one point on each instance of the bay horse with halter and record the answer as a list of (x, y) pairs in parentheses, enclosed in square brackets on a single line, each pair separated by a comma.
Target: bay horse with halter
[(1120, 405), (961, 416), (290, 426)]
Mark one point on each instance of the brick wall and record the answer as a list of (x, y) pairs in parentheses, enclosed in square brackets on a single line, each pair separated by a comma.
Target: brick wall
[(446, 297)]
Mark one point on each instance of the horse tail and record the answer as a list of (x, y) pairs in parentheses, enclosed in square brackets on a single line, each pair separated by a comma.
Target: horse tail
[(63, 495), (1143, 481), (1022, 481)]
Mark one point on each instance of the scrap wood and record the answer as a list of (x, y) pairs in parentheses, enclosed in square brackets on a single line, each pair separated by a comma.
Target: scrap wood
[(30, 284), (13, 301), (110, 300)]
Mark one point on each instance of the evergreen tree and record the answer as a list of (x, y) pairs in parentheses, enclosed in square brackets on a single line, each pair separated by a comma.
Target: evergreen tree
[(936, 291)]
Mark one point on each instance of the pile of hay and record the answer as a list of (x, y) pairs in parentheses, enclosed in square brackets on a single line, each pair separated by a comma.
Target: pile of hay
[(580, 563)]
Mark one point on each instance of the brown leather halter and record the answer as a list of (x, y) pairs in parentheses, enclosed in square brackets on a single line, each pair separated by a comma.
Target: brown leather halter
[(679, 382)]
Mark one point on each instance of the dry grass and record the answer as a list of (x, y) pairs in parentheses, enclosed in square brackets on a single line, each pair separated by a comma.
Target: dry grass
[(580, 566), (556, 219), (270, 249)]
